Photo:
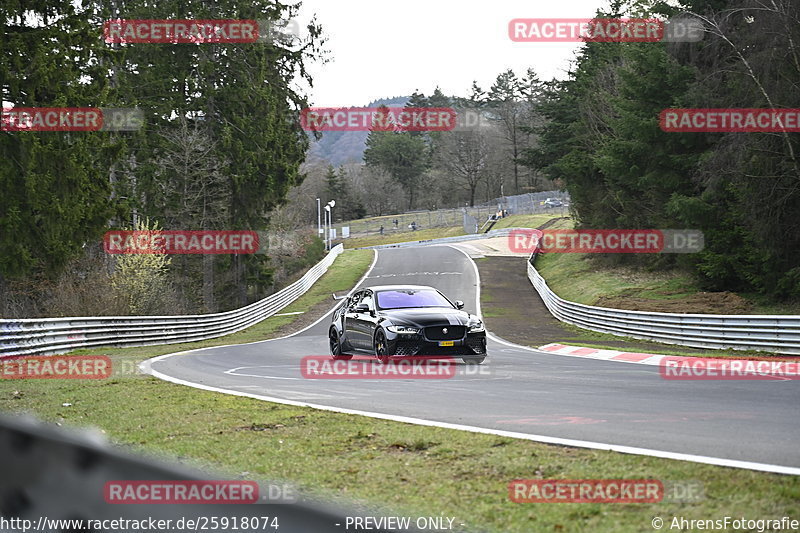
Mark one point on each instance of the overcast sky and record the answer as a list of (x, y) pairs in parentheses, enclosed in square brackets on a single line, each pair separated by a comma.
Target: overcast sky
[(382, 49)]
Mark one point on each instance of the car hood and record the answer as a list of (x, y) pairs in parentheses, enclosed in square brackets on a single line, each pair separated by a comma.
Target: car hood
[(421, 318)]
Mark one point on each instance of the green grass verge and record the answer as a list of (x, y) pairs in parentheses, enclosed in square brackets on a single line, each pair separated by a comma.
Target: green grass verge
[(490, 305), (425, 219), (403, 236), (414, 470), (574, 277), (762, 305), (524, 221), (577, 278), (580, 278), (392, 237)]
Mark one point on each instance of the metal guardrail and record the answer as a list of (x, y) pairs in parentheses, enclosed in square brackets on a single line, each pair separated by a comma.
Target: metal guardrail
[(59, 335), (53, 474), (773, 333), (446, 240), (521, 204)]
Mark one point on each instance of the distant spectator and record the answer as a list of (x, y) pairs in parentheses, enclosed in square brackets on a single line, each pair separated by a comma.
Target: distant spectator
[(381, 229)]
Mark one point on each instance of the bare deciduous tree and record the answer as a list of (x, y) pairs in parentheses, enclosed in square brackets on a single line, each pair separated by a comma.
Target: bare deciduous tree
[(464, 155), (196, 192)]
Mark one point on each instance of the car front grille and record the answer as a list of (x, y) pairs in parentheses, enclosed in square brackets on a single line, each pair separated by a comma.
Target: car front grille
[(437, 333), (408, 349)]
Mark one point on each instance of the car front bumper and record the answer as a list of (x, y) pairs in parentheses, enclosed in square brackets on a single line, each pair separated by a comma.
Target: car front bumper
[(473, 344)]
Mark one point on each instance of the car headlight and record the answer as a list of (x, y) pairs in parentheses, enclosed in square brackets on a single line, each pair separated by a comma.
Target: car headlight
[(403, 329), (477, 327)]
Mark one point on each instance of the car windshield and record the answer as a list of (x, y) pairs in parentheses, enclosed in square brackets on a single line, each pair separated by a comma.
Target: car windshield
[(400, 299)]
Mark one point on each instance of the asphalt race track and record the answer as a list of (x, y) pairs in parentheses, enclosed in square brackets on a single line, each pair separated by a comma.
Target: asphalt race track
[(520, 392)]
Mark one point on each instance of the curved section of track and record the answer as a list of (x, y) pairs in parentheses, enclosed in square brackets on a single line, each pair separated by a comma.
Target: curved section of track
[(520, 392)]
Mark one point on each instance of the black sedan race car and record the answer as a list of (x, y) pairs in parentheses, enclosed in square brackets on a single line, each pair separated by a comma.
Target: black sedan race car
[(405, 320)]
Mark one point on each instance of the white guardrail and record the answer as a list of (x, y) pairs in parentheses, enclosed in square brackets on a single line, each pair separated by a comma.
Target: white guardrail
[(59, 335), (447, 240), (773, 333)]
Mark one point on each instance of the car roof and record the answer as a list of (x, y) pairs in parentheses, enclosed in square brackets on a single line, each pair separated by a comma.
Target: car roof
[(396, 287)]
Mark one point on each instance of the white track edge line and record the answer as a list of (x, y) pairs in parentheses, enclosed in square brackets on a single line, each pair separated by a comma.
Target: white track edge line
[(777, 469), (732, 463)]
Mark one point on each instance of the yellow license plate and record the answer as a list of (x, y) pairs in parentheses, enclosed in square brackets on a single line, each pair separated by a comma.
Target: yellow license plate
[(446, 343)]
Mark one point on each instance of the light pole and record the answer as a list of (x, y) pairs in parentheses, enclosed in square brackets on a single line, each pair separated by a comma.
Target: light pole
[(319, 223), (325, 237), (328, 208)]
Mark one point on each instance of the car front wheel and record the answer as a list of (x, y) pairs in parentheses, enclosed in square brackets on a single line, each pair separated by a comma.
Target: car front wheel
[(383, 349)]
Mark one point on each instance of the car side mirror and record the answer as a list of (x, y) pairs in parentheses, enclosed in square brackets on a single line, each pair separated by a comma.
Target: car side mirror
[(362, 308), (459, 304)]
